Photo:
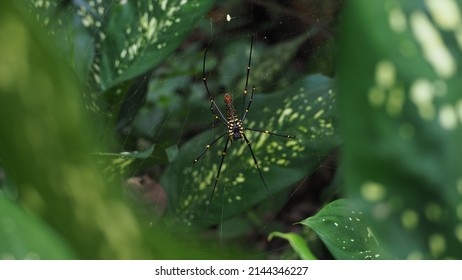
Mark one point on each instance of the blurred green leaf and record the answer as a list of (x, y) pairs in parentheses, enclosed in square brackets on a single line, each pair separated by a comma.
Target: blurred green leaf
[(344, 232), (47, 148), (118, 165), (275, 62), (23, 236), (8, 186), (305, 109), (298, 244), (401, 111), (172, 152), (235, 227), (267, 64), (51, 164), (134, 154)]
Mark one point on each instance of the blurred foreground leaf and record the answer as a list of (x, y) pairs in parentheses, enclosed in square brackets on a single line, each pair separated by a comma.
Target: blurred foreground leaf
[(45, 146), (401, 109), (47, 150), (25, 237)]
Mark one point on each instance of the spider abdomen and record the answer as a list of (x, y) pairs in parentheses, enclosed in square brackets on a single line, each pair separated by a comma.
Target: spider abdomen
[(235, 129)]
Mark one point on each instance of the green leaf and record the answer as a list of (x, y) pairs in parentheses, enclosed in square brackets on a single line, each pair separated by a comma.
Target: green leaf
[(8, 186), (114, 45), (132, 155), (26, 237), (140, 34), (172, 152), (131, 37), (306, 109), (344, 232), (297, 243), (399, 78), (276, 60), (266, 66), (72, 40), (116, 165)]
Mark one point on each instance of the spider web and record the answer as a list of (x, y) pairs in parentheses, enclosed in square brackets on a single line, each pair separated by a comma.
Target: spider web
[(168, 106), (236, 58), (236, 89)]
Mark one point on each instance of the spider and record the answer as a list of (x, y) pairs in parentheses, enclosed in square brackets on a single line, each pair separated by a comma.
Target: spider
[(234, 124)]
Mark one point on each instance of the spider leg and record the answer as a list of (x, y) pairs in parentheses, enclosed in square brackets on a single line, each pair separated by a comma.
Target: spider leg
[(247, 77), (272, 133), (208, 146), (213, 105), (223, 154), (248, 105), (256, 164)]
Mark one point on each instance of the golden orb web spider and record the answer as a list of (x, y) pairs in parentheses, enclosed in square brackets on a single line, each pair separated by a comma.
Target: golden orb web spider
[(234, 124)]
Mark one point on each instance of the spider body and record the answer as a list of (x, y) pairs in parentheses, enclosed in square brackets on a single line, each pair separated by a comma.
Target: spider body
[(234, 124)]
